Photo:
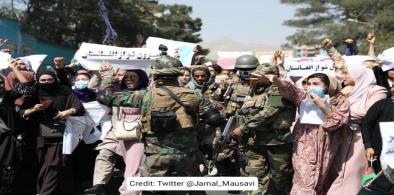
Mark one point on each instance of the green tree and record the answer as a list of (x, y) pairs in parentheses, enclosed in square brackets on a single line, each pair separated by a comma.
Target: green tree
[(341, 19), (175, 22), (72, 22)]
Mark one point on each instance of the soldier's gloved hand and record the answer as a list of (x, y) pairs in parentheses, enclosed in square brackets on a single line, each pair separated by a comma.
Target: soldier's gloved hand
[(236, 132)]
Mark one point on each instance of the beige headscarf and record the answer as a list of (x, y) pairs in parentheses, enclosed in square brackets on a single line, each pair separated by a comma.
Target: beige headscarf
[(335, 86)]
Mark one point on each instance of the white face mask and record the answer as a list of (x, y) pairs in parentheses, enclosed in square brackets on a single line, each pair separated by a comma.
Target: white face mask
[(81, 84)]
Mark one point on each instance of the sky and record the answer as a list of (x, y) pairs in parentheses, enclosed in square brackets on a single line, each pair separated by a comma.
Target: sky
[(246, 21)]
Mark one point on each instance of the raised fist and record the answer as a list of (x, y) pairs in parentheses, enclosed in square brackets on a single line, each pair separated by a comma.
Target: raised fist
[(371, 38), (326, 43), (59, 62)]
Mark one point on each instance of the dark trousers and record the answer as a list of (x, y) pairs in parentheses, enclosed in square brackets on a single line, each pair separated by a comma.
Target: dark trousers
[(55, 175), (26, 177)]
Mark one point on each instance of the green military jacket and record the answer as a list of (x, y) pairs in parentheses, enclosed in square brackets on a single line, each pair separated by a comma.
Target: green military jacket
[(169, 143), (267, 118)]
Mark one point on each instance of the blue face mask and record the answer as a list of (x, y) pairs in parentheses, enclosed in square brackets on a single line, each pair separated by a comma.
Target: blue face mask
[(316, 90), (81, 84)]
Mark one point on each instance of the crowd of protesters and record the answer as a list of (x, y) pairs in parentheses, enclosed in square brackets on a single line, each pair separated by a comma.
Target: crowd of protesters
[(330, 157)]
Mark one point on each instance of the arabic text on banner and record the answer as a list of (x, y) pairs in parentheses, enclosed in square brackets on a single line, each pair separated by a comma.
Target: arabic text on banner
[(300, 67), (90, 56)]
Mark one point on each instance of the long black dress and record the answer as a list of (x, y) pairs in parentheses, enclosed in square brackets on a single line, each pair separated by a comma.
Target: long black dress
[(55, 174), (9, 153)]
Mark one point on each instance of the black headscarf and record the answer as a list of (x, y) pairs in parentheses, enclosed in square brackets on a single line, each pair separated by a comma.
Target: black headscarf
[(57, 93), (381, 79), (56, 88)]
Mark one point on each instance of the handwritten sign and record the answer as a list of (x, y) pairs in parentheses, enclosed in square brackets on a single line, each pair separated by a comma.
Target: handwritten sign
[(91, 55), (183, 50), (299, 67)]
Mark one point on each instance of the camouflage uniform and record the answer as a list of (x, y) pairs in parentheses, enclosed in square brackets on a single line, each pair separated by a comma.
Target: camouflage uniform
[(232, 159), (172, 151), (268, 117)]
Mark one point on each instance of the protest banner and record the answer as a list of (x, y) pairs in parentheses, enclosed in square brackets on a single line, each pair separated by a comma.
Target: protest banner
[(299, 67), (4, 60), (226, 63), (266, 56), (227, 59), (34, 60), (233, 54), (387, 133), (183, 50), (90, 56)]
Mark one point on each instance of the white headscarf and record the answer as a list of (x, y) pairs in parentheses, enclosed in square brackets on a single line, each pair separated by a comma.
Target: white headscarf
[(27, 63)]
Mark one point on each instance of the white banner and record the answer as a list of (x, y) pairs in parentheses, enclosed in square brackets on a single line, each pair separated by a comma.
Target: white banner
[(300, 67), (35, 61), (4, 60), (386, 130), (90, 56), (175, 48), (265, 59)]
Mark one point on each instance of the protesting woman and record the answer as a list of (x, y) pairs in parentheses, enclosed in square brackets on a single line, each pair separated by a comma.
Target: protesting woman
[(323, 111), (53, 103), (362, 92)]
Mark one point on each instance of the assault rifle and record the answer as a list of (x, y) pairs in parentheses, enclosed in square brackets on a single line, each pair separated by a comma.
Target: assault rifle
[(218, 147)]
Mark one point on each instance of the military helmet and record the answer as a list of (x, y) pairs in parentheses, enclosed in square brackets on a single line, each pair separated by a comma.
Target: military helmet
[(246, 62), (266, 68), (166, 66)]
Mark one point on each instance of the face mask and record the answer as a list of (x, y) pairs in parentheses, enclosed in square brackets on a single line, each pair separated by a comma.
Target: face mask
[(81, 84), (245, 74), (47, 86), (319, 91)]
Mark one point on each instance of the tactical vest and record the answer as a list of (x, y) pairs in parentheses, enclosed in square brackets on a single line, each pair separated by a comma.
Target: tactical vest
[(271, 98), (160, 102), (237, 98), (276, 129)]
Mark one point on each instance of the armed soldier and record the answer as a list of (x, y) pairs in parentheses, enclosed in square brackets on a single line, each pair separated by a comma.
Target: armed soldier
[(240, 89), (231, 159), (170, 114), (169, 117), (268, 117)]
